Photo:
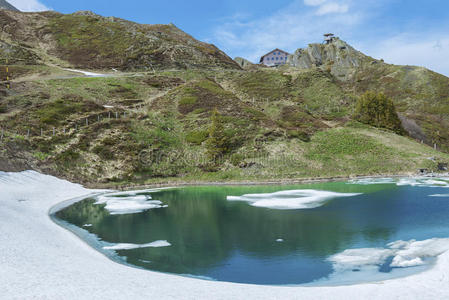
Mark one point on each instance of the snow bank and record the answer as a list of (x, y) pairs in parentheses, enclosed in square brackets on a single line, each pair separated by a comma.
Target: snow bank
[(67, 268), (32, 186), (119, 203), (90, 74), (291, 199), (124, 246)]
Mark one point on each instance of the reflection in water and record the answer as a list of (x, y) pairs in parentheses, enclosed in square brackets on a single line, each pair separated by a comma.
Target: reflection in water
[(234, 241)]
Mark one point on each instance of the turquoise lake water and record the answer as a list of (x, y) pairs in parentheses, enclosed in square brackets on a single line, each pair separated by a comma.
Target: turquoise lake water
[(328, 233)]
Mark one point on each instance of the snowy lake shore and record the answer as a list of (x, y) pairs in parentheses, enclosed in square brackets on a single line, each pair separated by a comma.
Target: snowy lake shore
[(39, 259)]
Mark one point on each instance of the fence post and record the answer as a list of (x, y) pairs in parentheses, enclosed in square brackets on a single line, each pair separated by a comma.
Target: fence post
[(109, 115), (116, 115), (28, 133), (53, 131), (87, 122), (41, 132), (1, 137)]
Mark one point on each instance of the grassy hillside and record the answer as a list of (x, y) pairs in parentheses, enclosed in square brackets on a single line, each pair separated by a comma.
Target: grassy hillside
[(421, 96), (87, 40), (174, 108), (156, 127)]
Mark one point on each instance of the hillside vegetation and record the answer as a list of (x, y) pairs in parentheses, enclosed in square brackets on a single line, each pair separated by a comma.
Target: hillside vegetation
[(188, 113), (87, 40)]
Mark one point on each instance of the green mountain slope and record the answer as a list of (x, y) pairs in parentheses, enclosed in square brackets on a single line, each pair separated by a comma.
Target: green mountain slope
[(191, 113), (421, 96), (87, 40)]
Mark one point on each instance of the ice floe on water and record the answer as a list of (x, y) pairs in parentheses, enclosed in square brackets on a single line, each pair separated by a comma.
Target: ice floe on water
[(424, 182), (125, 246), (128, 203), (397, 259), (136, 192), (402, 254), (410, 181), (357, 258), (440, 195), (279, 240), (290, 199), (367, 181)]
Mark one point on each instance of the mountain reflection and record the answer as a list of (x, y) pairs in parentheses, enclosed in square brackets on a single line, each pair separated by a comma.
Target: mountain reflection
[(206, 230)]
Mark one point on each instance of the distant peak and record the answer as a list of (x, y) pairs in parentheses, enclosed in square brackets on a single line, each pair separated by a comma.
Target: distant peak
[(85, 13), (5, 5)]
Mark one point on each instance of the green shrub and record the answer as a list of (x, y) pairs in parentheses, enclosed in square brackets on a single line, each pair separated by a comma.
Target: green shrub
[(236, 159), (40, 155), (160, 134), (190, 100), (378, 110), (103, 151), (54, 112), (197, 137), (68, 158), (299, 134)]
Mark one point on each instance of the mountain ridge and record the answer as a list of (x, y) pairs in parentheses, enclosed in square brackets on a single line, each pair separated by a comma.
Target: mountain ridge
[(6, 5), (152, 119), (87, 40)]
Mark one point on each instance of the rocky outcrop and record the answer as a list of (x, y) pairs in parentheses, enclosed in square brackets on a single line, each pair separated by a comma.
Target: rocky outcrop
[(244, 63), (336, 57)]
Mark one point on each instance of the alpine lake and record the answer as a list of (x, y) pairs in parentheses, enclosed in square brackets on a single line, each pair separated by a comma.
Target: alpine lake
[(329, 233)]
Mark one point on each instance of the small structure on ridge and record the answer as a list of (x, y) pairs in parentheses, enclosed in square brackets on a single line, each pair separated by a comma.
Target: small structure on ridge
[(275, 58), (329, 38)]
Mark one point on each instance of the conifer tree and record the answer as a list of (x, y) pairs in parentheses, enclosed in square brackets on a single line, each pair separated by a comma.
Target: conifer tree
[(218, 142)]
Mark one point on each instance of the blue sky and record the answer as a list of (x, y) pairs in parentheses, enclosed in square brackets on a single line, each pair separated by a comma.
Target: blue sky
[(402, 32)]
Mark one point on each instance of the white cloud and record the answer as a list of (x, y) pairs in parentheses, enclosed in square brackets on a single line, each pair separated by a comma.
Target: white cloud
[(327, 7), (290, 28), (295, 26), (28, 5), (314, 2), (332, 8), (423, 50)]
